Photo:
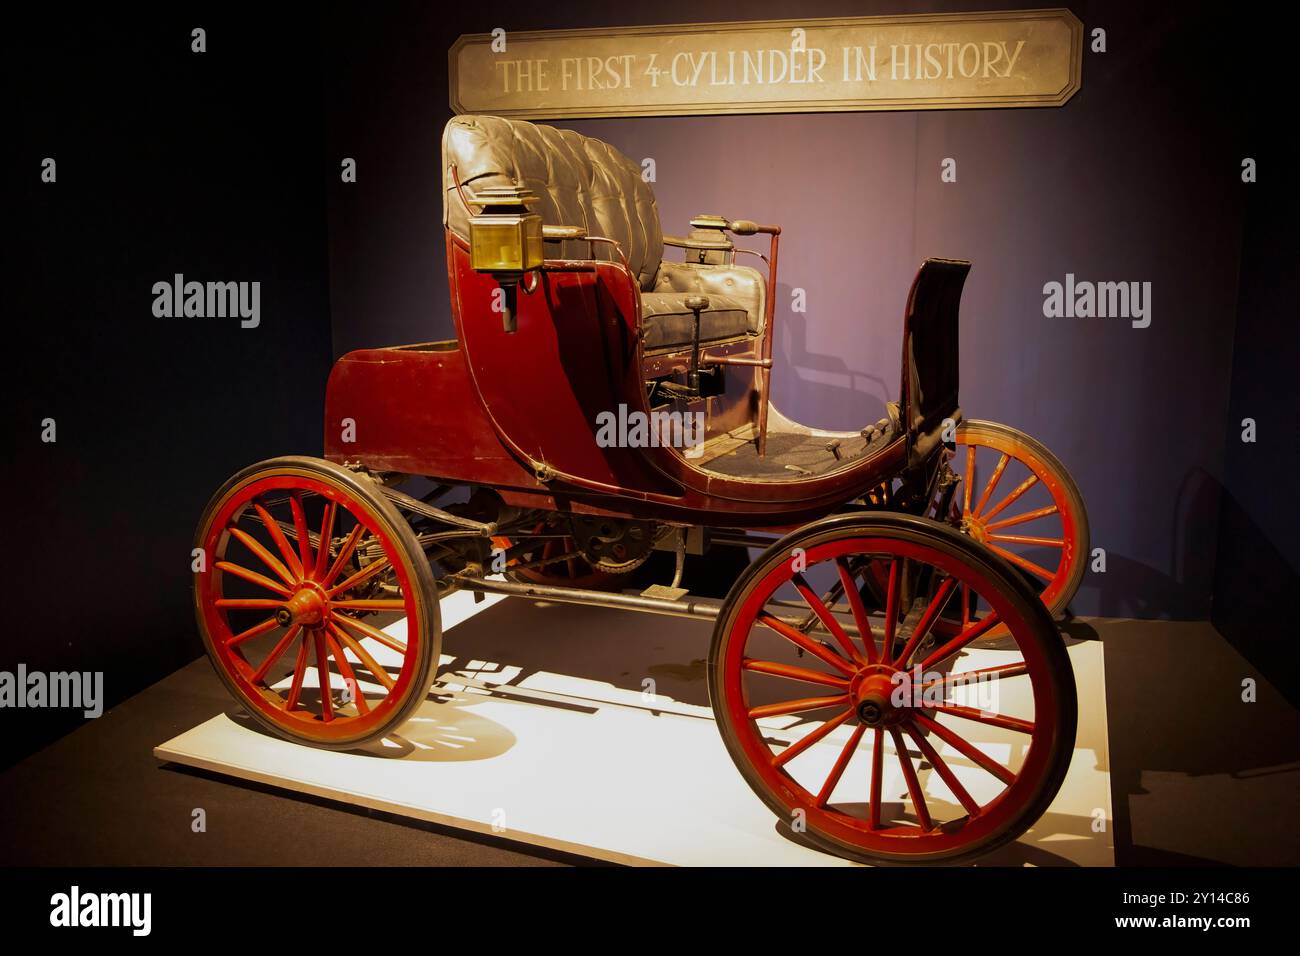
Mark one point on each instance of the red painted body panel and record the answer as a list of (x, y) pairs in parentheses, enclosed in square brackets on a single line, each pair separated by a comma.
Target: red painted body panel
[(416, 412), (495, 408)]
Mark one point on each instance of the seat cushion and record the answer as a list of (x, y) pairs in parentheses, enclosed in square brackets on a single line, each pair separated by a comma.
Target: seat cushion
[(738, 283), (579, 181), (666, 323)]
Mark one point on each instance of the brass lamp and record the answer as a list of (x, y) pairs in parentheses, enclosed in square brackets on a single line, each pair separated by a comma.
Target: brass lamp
[(505, 239)]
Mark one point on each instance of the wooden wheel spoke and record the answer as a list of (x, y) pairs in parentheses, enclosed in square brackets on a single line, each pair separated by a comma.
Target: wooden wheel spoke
[(323, 677), (300, 529), (377, 604), (349, 675), (1034, 569), (361, 577), (299, 673), (344, 554), (252, 544), (799, 639), (807, 740), (979, 716), (975, 677), (826, 617), (842, 761), (966, 748), (913, 784), (370, 631), (269, 624), (860, 617), (1016, 492), (877, 777), (1029, 539), (253, 577), (891, 610), (969, 803), (247, 604), (927, 620), (798, 706), (277, 652), (1022, 518), (976, 630), (281, 542), (793, 673), (323, 545), (993, 482), (363, 655), (965, 605), (969, 484)]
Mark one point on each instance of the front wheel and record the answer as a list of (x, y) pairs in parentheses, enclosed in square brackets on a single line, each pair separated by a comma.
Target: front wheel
[(867, 727), (315, 602)]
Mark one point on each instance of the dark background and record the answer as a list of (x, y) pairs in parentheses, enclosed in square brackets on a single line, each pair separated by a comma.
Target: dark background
[(224, 166)]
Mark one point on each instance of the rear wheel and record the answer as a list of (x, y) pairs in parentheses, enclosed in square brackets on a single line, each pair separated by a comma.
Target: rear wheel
[(1017, 499), (879, 736), (306, 576)]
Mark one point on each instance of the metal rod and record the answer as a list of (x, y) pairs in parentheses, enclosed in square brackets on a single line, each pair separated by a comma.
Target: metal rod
[(740, 360), (765, 370), (694, 609), (741, 540), (700, 610)]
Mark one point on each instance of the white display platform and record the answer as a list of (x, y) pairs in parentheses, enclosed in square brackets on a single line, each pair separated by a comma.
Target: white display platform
[(592, 764)]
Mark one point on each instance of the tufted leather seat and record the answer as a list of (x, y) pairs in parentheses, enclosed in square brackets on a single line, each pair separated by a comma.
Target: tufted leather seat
[(667, 323), (582, 181), (735, 292)]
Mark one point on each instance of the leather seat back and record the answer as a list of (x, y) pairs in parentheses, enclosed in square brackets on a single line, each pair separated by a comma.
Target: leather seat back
[(580, 181)]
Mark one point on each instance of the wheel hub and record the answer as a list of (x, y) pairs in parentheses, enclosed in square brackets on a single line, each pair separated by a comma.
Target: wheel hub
[(975, 528), (872, 693), (307, 607)]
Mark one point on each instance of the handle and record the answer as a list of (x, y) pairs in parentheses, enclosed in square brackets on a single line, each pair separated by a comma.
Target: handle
[(747, 227)]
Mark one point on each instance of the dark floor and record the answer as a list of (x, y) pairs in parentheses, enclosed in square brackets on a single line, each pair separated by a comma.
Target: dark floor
[(790, 454), (1198, 776)]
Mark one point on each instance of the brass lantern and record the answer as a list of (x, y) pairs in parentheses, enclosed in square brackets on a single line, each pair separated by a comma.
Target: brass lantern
[(505, 239)]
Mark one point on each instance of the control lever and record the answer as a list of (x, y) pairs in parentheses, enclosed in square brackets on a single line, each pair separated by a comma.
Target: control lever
[(697, 304)]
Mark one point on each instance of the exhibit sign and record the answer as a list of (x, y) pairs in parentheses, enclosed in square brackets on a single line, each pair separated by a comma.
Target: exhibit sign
[(924, 61)]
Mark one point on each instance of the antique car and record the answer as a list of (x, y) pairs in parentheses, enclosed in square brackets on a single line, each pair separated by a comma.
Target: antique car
[(601, 403)]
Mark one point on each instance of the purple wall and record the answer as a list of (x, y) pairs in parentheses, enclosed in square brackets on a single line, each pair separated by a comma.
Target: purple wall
[(1136, 178)]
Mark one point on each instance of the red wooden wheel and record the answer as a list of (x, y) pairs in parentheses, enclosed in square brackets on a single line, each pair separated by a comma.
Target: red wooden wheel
[(1017, 498), (960, 758), (298, 553)]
